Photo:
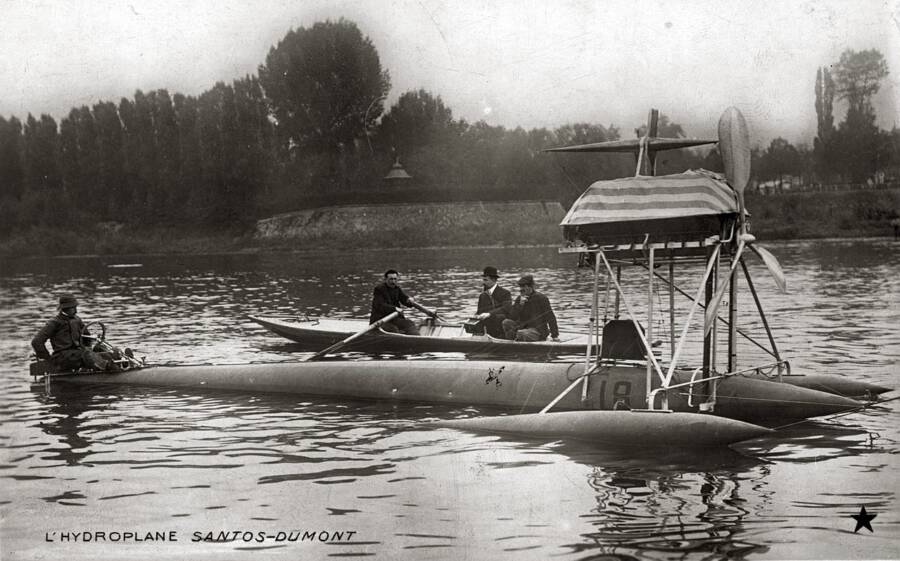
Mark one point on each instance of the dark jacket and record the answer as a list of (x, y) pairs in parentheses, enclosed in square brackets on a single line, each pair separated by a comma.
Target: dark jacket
[(385, 300), (536, 313), (497, 304), (64, 333)]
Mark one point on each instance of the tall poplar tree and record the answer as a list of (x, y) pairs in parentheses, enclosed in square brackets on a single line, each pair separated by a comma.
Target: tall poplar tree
[(12, 173), (42, 180), (857, 78), (823, 143), (190, 175), (69, 156), (111, 178)]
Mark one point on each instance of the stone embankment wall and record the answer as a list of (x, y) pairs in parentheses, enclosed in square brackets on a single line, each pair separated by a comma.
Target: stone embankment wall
[(417, 225)]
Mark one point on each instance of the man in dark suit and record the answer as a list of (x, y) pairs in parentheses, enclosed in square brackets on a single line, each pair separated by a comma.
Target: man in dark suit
[(494, 304), (387, 299), (531, 317)]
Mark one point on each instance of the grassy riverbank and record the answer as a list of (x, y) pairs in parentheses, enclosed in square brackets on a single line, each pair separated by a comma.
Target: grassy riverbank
[(824, 214), (99, 240), (859, 213)]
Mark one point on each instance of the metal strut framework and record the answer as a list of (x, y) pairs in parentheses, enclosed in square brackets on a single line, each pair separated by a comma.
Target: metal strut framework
[(645, 256)]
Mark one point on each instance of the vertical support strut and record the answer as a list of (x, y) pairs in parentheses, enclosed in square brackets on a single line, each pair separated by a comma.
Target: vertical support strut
[(628, 309), (687, 322), (618, 296), (605, 314), (592, 330), (762, 315), (709, 337), (650, 320), (671, 309), (732, 318)]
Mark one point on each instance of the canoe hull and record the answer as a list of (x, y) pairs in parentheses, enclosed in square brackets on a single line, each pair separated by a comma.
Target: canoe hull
[(522, 386), (315, 336)]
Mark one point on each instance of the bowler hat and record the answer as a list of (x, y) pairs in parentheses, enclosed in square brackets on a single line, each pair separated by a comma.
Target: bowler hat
[(526, 280), (67, 301), (491, 272)]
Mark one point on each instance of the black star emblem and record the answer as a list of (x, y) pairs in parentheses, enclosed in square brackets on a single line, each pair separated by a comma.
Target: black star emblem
[(863, 519)]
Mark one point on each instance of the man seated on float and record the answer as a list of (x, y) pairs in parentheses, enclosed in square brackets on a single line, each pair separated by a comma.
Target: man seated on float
[(531, 317), (494, 304), (387, 299), (66, 333)]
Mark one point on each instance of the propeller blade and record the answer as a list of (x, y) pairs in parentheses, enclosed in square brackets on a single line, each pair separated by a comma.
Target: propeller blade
[(734, 144), (652, 144), (713, 308), (773, 265)]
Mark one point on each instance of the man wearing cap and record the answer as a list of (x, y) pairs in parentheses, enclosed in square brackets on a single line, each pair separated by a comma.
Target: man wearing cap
[(65, 332), (494, 304), (531, 317)]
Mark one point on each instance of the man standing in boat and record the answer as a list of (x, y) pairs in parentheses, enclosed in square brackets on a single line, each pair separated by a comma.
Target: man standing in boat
[(387, 299), (66, 332), (494, 304), (531, 317)]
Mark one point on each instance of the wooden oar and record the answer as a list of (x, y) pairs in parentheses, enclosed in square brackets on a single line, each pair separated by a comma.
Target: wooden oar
[(340, 344), (426, 311)]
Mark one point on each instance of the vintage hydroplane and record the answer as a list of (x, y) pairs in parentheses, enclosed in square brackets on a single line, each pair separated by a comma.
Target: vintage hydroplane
[(623, 393)]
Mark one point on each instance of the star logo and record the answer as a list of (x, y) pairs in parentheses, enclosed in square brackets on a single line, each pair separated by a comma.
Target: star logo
[(863, 520)]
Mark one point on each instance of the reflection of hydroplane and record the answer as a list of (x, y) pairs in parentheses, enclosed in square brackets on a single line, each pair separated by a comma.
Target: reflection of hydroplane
[(624, 395)]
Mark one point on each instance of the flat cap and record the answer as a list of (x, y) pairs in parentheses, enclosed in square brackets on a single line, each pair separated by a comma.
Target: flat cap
[(526, 280)]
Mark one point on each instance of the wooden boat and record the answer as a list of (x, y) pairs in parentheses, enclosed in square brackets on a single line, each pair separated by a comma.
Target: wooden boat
[(316, 333)]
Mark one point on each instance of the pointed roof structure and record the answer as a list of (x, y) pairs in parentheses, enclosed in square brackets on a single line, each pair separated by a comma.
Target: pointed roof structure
[(397, 172)]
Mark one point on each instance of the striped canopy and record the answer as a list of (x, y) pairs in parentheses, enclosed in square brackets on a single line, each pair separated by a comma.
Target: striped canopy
[(683, 195)]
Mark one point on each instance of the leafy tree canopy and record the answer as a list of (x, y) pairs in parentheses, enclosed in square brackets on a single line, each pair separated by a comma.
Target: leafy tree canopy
[(858, 75), (417, 119), (322, 83)]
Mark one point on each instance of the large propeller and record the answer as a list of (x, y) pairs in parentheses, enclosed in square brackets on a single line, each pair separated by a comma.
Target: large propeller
[(734, 145)]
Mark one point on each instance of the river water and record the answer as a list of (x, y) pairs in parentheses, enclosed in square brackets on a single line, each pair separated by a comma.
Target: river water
[(287, 477)]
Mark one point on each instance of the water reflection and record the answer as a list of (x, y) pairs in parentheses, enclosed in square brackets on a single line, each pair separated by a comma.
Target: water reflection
[(65, 418)]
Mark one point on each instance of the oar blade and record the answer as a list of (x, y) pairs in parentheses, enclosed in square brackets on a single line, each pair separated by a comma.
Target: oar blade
[(343, 342), (734, 145), (773, 265)]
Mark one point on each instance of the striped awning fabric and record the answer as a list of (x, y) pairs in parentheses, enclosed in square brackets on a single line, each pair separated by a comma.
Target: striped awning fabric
[(692, 193)]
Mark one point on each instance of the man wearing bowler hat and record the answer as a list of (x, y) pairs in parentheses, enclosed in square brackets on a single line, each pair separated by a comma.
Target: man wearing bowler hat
[(531, 317), (494, 304), (65, 332)]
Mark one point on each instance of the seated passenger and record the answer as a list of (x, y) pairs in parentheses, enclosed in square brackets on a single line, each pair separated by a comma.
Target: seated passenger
[(531, 317), (494, 304)]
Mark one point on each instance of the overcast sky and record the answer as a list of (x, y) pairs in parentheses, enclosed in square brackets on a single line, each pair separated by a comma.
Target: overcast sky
[(511, 63)]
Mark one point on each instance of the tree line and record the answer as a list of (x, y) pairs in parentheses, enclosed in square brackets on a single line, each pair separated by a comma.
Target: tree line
[(311, 128), (856, 150)]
